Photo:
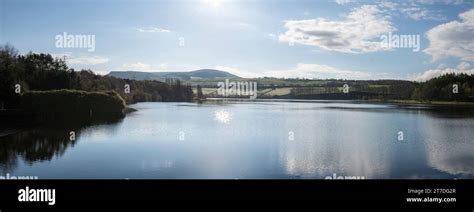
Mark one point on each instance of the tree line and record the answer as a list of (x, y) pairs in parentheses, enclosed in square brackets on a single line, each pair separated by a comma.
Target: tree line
[(42, 72), (448, 87)]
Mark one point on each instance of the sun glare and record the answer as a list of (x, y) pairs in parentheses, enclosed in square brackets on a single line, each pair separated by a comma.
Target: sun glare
[(222, 116)]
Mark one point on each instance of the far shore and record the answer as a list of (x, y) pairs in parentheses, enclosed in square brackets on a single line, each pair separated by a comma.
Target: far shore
[(398, 102)]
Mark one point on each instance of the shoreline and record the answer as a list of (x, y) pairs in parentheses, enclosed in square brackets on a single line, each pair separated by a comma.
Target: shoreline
[(397, 102)]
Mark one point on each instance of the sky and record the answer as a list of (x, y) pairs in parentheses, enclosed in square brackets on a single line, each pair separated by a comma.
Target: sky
[(316, 39)]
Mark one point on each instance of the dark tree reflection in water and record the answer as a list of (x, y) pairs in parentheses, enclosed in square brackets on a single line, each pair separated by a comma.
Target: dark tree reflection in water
[(39, 144)]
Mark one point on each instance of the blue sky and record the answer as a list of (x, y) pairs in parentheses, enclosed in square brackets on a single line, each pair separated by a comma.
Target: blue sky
[(331, 38)]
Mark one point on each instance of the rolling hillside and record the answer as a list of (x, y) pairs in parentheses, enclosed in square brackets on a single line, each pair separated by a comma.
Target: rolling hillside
[(162, 76)]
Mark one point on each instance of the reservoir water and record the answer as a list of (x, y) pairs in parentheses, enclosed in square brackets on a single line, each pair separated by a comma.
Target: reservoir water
[(252, 140)]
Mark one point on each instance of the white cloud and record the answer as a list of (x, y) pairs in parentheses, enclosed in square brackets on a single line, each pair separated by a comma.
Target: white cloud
[(152, 29), (455, 38), (317, 71), (62, 55), (238, 72), (82, 59), (388, 5), (343, 2), (463, 67), (357, 33), (414, 10), (301, 70), (138, 66), (87, 60), (418, 13), (438, 1)]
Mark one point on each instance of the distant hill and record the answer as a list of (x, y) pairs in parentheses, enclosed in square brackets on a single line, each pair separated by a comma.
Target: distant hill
[(162, 76)]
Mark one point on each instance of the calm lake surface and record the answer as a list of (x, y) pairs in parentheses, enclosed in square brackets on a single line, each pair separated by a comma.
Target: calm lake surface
[(238, 139)]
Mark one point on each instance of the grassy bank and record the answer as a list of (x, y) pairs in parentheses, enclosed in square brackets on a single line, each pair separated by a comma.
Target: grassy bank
[(73, 105)]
